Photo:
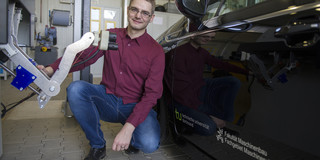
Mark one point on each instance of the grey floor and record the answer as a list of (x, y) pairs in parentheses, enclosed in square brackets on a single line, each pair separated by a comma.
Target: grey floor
[(31, 133)]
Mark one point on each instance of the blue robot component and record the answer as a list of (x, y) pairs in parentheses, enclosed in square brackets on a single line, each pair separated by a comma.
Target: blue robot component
[(23, 78)]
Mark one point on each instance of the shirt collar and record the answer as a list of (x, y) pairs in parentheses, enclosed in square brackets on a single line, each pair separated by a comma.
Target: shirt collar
[(140, 40)]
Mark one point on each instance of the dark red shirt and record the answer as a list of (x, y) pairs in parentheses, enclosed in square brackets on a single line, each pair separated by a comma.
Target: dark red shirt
[(134, 72), (187, 67)]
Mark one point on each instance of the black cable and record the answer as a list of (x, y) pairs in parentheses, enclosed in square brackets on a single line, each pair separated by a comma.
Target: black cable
[(84, 61), (89, 53), (5, 109), (11, 104)]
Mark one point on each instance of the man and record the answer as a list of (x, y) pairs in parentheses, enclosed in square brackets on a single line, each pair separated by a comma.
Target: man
[(131, 84), (207, 103)]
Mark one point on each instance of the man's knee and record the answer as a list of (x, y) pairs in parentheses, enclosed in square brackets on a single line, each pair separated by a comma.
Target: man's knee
[(150, 145), (75, 86), (76, 90), (149, 141)]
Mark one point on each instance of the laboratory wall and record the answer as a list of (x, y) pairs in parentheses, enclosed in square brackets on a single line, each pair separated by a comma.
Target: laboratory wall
[(64, 33)]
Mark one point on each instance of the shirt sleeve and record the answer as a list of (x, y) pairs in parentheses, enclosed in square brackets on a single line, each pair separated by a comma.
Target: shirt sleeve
[(86, 58), (152, 91)]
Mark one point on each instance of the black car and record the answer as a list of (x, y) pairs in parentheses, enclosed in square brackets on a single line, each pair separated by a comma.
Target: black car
[(276, 110)]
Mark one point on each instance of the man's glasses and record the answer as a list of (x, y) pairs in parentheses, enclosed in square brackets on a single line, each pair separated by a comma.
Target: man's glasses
[(144, 14)]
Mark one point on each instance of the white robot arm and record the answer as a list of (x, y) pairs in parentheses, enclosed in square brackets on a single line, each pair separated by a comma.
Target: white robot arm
[(27, 71)]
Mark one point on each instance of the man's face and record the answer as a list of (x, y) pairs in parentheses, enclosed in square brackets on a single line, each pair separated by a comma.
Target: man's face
[(204, 39), (139, 14)]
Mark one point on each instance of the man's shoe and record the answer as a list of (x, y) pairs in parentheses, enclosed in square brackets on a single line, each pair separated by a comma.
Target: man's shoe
[(96, 154), (131, 150)]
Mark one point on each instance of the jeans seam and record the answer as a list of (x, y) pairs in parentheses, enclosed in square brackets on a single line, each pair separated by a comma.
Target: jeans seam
[(120, 113), (97, 116)]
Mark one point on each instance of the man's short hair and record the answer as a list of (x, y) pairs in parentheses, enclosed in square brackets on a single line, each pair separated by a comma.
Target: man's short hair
[(153, 4)]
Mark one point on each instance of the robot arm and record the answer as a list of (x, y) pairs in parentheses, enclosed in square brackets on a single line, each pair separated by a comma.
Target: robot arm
[(52, 86), (27, 71)]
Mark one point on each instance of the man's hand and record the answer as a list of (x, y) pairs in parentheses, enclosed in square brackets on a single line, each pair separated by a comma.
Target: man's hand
[(123, 138), (48, 70)]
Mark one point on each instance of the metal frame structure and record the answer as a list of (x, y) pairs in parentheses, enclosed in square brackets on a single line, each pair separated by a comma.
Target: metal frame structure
[(27, 71)]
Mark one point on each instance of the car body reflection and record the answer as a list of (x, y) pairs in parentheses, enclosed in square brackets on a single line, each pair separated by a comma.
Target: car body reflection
[(275, 110)]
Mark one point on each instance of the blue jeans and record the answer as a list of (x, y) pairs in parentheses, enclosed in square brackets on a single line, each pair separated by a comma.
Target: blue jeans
[(89, 103), (217, 98)]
